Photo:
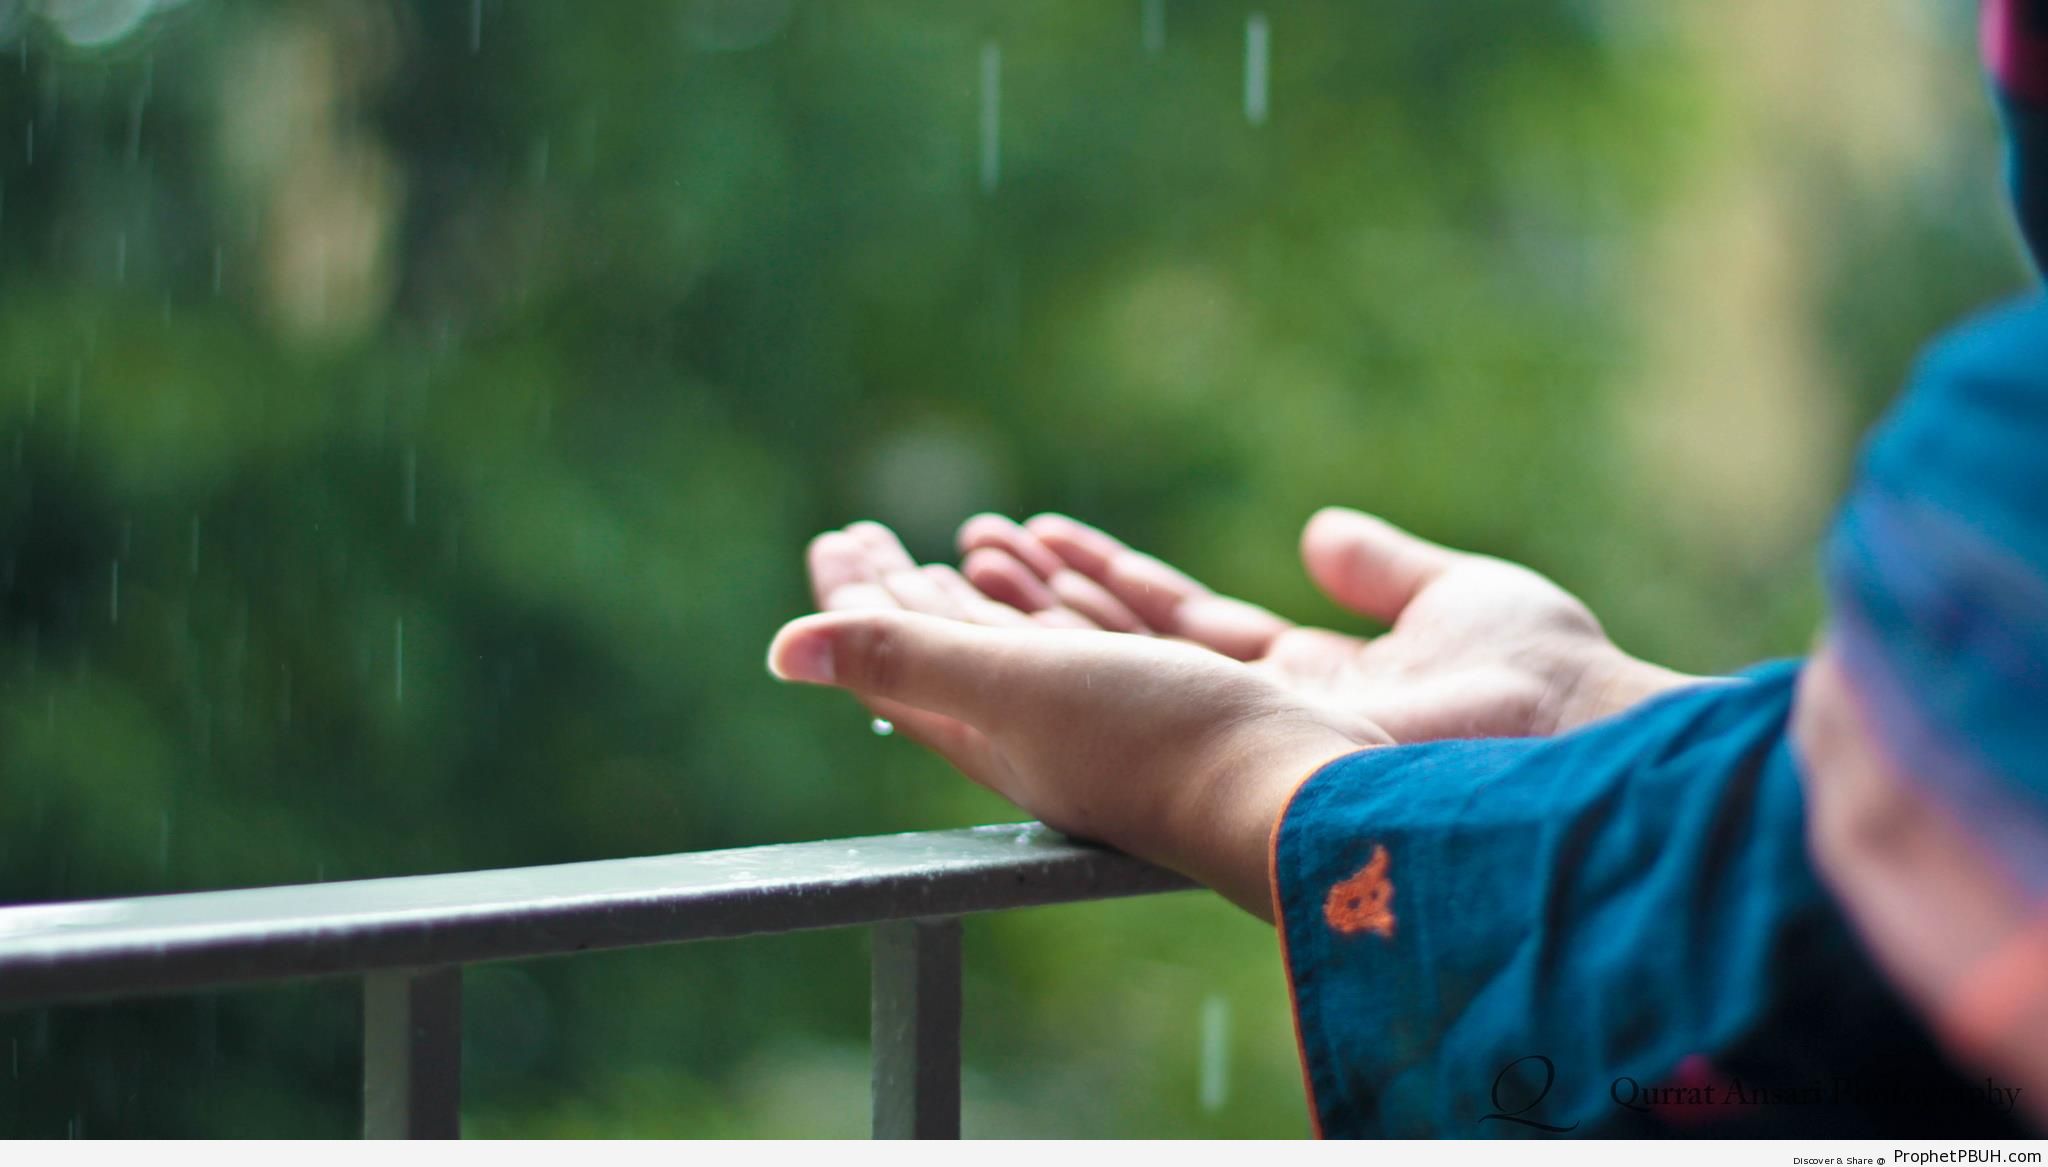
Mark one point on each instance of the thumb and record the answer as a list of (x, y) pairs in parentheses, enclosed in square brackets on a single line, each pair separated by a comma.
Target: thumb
[(1367, 564), (928, 662)]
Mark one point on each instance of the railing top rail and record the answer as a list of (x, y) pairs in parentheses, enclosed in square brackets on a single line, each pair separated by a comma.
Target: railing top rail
[(171, 943)]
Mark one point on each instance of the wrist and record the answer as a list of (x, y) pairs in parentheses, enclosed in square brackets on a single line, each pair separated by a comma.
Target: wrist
[(1614, 682), (1220, 827)]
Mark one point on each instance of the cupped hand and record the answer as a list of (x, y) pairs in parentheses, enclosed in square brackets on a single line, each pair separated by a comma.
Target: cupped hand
[(1477, 647), (1166, 750)]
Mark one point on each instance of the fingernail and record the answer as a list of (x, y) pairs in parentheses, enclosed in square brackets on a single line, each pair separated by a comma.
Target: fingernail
[(809, 660)]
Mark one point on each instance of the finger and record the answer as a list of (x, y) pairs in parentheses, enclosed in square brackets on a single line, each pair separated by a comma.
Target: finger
[(1147, 585), (856, 596), (885, 551), (917, 591), (836, 560), (1002, 576), (985, 677), (999, 533), (1092, 600), (974, 605), (1367, 564), (949, 667), (1231, 627), (1067, 618), (1086, 549)]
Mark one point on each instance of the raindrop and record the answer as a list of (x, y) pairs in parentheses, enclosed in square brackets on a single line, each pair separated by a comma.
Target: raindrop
[(398, 661), (114, 594), (991, 114), (195, 545), (1215, 1086), (412, 484), (121, 257), (136, 108), (163, 841), (218, 258), (1257, 52), (1152, 25), (31, 142), (882, 727), (71, 430), (476, 26)]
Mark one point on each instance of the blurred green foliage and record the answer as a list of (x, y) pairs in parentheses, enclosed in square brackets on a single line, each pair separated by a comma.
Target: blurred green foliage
[(412, 415)]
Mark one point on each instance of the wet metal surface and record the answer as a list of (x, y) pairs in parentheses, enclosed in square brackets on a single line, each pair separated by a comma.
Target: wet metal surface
[(914, 1027), (412, 1054), (158, 944)]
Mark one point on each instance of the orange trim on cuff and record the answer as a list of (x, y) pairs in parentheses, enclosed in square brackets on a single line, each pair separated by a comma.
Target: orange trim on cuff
[(1308, 1089)]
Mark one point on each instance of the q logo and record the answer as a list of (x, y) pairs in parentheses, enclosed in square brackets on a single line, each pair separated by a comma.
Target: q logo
[(1501, 1111)]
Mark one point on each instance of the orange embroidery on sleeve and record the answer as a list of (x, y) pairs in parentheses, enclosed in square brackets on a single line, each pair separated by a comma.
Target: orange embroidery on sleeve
[(1363, 902)]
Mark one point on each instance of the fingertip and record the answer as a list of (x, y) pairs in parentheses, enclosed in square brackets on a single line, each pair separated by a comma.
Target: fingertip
[(1328, 519), (981, 530), (825, 541), (1049, 525), (879, 544), (803, 652), (1368, 564), (1074, 542), (983, 561), (984, 565), (835, 561)]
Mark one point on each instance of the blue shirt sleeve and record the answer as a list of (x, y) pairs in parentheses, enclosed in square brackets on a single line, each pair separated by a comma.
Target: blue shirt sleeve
[(1581, 935)]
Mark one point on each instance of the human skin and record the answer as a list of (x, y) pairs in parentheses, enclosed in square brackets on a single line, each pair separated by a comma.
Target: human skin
[(1958, 938), (1180, 735), (1477, 646)]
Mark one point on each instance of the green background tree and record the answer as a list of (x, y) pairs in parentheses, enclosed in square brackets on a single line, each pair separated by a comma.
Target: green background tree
[(411, 416)]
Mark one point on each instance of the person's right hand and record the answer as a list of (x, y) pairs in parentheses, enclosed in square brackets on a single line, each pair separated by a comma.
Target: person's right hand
[(1158, 748), (1478, 647)]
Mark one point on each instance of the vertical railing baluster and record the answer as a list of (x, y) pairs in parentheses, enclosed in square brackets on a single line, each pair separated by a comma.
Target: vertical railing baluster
[(915, 1026), (412, 1054)]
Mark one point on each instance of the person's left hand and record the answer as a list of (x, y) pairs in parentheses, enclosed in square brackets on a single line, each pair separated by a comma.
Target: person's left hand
[(1162, 749)]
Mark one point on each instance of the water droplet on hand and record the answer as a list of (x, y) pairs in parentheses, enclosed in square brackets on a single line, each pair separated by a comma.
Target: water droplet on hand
[(882, 727)]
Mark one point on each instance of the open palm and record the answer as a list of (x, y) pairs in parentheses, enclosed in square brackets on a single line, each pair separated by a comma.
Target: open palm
[(1477, 647)]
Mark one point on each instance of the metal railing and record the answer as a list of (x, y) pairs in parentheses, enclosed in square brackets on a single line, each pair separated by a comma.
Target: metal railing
[(409, 938)]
